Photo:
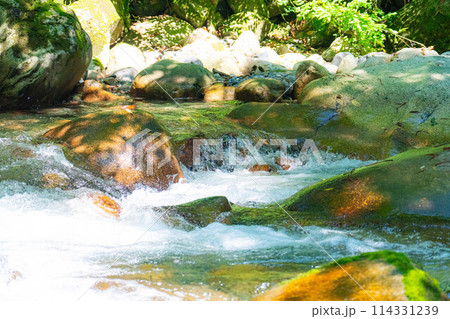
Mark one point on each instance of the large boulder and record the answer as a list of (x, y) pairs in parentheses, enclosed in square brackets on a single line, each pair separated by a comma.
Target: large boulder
[(257, 6), (145, 8), (168, 79), (426, 21), (153, 33), (260, 90), (247, 44), (102, 22), (43, 53), (414, 182), (107, 143), (246, 21), (380, 276), (394, 106), (194, 11)]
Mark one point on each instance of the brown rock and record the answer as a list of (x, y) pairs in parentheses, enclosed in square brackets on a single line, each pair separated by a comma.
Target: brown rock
[(109, 206), (219, 92), (307, 71), (93, 92), (104, 141)]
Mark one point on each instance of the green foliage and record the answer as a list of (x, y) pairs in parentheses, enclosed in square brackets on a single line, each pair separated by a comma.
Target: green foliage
[(361, 22)]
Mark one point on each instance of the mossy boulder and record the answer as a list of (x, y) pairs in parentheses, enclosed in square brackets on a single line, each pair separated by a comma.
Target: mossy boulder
[(123, 10), (426, 21), (414, 183), (380, 276), (167, 79), (43, 53), (194, 11), (102, 22), (257, 6), (260, 90), (201, 212), (130, 147), (145, 8), (153, 33), (246, 21), (394, 106)]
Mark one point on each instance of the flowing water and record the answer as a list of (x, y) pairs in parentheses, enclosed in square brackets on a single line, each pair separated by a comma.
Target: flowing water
[(56, 244)]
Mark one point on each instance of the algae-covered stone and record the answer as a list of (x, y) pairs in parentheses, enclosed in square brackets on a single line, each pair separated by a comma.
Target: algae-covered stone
[(106, 143), (43, 53), (203, 212), (144, 8), (123, 10), (168, 79), (307, 71), (408, 99), (194, 11), (246, 21), (153, 33), (102, 22), (380, 276), (260, 90), (426, 21), (414, 182), (257, 6)]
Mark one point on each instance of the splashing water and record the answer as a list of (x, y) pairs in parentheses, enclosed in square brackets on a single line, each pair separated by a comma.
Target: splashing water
[(56, 244)]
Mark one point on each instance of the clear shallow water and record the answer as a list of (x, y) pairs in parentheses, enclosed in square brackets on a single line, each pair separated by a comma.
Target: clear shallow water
[(57, 244)]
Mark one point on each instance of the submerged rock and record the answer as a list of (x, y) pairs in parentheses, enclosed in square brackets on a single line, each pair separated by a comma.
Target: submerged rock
[(44, 52), (380, 276), (93, 92), (168, 79), (201, 212), (414, 182), (130, 147)]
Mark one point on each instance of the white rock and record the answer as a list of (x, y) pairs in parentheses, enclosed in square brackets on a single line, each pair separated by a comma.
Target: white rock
[(247, 44), (331, 67), (125, 56), (408, 53), (348, 63), (288, 60), (201, 34), (317, 58), (268, 54), (224, 62), (125, 75), (338, 58), (151, 57)]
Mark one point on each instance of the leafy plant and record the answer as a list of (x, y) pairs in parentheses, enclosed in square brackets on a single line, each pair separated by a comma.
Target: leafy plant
[(360, 22)]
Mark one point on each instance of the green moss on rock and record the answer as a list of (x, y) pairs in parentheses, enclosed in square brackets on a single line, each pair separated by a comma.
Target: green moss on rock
[(196, 12), (162, 32), (382, 275), (144, 8), (256, 6), (43, 53), (246, 21)]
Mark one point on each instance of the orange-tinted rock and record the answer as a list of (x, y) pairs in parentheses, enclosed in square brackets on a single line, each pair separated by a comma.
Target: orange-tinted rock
[(93, 92), (52, 180), (219, 92), (380, 276), (128, 107), (104, 141), (20, 152), (262, 168), (109, 206)]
